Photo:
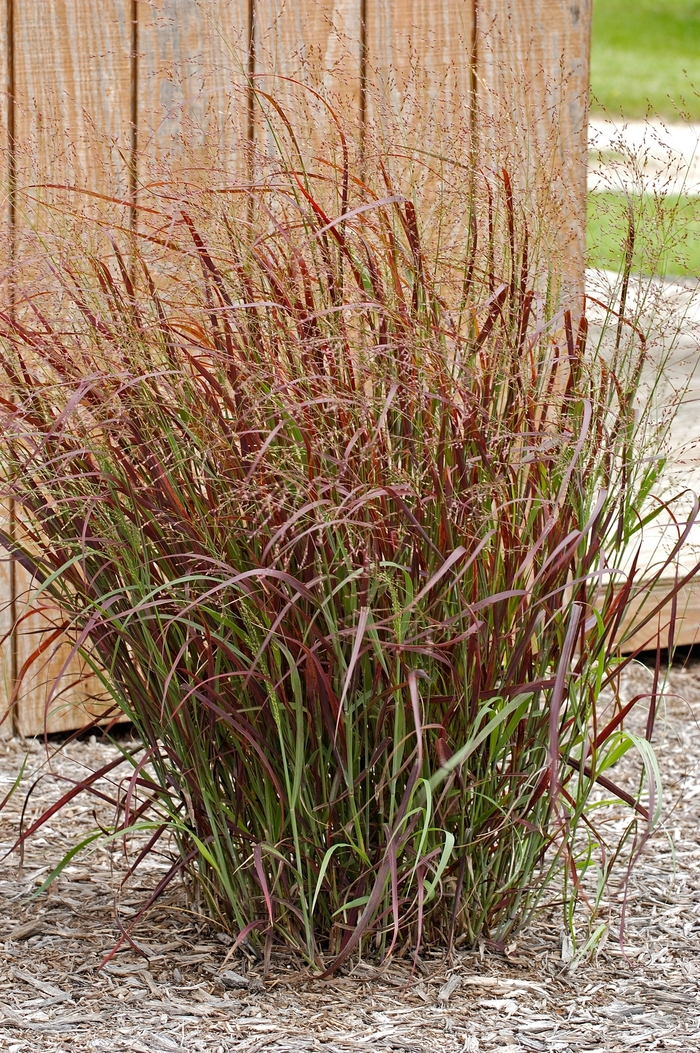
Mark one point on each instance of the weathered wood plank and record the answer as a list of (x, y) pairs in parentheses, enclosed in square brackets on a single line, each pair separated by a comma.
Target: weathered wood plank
[(191, 85), (6, 646), (57, 692), (73, 94), (419, 100), (69, 697), (7, 246), (7, 82), (316, 42), (72, 127), (419, 59), (533, 73), (687, 620), (300, 49)]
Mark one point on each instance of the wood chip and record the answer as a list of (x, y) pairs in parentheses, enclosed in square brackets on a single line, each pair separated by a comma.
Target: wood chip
[(448, 989), (40, 985), (234, 981), (129, 969), (645, 995), (30, 928)]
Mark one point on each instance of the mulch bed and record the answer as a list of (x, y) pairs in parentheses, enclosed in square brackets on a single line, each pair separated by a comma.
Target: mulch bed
[(188, 993)]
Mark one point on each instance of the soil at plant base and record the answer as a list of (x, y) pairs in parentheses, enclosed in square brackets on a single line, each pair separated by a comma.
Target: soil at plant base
[(185, 992)]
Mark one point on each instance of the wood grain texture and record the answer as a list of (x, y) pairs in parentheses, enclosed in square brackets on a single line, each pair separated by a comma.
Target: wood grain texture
[(419, 59), (57, 692), (51, 685), (300, 46), (73, 84), (5, 102), (72, 126), (7, 242), (533, 71), (73, 109), (7, 150), (54, 690), (6, 679), (419, 98), (192, 99), (687, 627), (316, 42)]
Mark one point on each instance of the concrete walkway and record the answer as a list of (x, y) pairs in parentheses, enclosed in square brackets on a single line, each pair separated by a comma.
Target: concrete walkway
[(656, 157), (668, 313), (644, 155)]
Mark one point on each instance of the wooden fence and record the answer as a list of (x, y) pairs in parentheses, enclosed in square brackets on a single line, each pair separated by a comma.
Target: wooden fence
[(96, 89)]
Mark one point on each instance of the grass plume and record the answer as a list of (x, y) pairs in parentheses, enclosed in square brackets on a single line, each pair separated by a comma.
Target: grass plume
[(334, 500)]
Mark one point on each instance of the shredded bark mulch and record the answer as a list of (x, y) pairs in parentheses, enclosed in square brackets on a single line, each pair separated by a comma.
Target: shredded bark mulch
[(185, 991)]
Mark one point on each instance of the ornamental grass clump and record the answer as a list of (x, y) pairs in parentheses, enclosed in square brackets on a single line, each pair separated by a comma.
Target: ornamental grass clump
[(334, 502)]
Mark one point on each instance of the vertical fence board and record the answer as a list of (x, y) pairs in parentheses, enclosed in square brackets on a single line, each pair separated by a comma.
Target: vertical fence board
[(534, 65), (314, 45), (317, 42), (6, 242), (5, 582), (419, 76), (72, 120), (73, 110), (57, 691), (6, 671), (5, 103), (192, 85), (418, 56)]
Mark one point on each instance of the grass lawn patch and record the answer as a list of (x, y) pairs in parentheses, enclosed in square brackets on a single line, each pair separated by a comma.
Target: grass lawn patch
[(646, 52), (667, 232)]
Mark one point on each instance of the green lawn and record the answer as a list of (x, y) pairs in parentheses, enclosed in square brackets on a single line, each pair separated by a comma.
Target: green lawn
[(667, 233), (646, 58), (640, 51)]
